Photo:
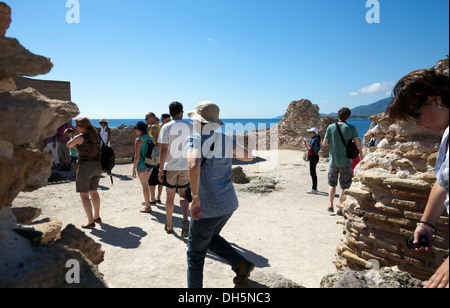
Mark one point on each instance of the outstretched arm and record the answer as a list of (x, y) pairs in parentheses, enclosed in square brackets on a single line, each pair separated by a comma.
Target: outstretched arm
[(241, 153)]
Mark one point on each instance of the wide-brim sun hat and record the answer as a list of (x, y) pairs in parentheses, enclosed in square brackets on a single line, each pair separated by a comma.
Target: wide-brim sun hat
[(103, 121), (206, 112)]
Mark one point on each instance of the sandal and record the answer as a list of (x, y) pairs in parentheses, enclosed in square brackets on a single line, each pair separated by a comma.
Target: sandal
[(89, 226), (185, 229), (146, 210), (167, 230)]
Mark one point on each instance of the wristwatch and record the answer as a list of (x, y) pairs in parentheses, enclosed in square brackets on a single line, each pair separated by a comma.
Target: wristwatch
[(194, 196)]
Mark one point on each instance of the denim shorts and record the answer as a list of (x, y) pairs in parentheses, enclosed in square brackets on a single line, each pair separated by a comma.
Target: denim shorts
[(140, 169), (345, 175)]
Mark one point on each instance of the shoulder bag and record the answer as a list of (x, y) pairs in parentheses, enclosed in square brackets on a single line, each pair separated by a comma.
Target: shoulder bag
[(351, 149)]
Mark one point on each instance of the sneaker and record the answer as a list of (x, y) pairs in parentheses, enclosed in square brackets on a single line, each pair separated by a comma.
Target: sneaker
[(185, 228), (243, 271), (312, 191), (331, 209)]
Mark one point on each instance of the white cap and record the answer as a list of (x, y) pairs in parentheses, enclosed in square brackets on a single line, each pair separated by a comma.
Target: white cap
[(313, 130)]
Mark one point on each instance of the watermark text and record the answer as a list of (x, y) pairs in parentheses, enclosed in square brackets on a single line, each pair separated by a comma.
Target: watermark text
[(73, 14), (373, 15), (73, 274)]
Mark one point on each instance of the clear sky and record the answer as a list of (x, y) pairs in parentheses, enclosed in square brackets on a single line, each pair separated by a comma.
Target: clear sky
[(251, 57)]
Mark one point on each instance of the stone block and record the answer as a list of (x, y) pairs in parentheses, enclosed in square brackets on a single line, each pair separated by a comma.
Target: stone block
[(407, 183)]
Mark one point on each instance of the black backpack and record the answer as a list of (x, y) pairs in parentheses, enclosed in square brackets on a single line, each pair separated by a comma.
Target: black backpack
[(108, 159), (352, 150)]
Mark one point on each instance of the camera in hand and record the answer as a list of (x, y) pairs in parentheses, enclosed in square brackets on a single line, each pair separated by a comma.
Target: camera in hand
[(188, 194), (423, 242)]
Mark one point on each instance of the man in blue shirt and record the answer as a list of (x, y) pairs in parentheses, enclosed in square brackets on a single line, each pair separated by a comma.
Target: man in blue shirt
[(210, 155)]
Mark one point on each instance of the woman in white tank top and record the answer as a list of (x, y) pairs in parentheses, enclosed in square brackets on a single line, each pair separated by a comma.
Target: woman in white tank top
[(105, 133)]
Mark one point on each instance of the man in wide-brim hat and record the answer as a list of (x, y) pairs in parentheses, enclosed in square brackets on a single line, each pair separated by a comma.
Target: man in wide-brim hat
[(206, 113), (214, 199)]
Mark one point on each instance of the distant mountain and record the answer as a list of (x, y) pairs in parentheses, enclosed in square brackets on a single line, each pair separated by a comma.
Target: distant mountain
[(368, 110)]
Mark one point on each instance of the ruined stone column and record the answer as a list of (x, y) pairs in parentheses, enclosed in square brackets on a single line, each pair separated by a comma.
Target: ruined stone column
[(388, 197)]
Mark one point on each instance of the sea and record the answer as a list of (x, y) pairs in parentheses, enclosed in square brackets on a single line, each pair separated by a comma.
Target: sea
[(241, 126)]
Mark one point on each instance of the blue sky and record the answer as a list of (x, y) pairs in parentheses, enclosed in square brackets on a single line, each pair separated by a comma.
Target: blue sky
[(251, 57)]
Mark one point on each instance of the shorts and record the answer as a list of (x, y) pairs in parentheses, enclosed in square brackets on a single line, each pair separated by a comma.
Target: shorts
[(176, 179), (345, 175), (139, 169), (73, 160), (153, 180), (88, 176)]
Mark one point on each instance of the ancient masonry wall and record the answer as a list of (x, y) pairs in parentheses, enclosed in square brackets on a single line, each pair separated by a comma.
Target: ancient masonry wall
[(387, 199), (51, 89), (300, 116), (27, 117)]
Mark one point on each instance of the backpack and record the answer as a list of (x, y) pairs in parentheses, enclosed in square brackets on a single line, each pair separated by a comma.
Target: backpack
[(352, 150), (152, 155), (108, 159)]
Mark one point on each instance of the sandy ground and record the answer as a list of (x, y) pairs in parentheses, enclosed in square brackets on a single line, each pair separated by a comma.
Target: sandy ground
[(286, 232)]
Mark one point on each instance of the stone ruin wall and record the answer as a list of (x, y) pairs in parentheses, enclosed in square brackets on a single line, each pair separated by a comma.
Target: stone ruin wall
[(301, 116), (388, 197), (27, 117), (122, 141), (292, 130), (122, 138), (52, 89)]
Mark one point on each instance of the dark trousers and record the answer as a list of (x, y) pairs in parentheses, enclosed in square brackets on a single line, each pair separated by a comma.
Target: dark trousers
[(313, 161), (204, 235)]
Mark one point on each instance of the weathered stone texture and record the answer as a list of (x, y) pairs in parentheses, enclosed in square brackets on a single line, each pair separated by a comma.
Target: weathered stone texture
[(261, 280), (387, 199), (15, 60), (5, 18), (388, 277), (26, 118), (301, 116)]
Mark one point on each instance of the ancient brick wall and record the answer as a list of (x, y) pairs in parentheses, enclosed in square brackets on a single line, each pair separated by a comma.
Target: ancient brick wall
[(387, 199), (301, 116), (52, 89)]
